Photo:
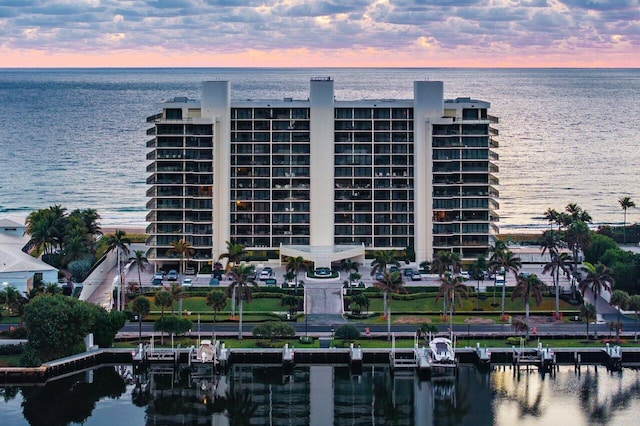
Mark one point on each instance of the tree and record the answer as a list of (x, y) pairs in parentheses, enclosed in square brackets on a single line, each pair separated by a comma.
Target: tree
[(477, 273), (273, 330), (391, 282), (425, 330), (242, 282), (347, 332), (598, 279), (173, 325), (294, 266), (446, 262), (528, 287), (505, 261), (588, 312), (349, 267), (140, 260), (552, 216), (184, 250), (140, 307), (559, 262), (56, 325), (235, 253), (359, 302), (620, 299), (119, 242), (177, 293), (578, 236), (382, 260), (625, 203), (451, 287), (163, 300), (634, 305), (217, 300), (291, 302)]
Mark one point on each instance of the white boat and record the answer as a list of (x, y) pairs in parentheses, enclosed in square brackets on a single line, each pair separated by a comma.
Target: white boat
[(206, 351), (442, 351)]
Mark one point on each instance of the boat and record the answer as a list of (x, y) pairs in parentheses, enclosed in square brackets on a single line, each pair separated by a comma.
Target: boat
[(442, 351), (206, 351)]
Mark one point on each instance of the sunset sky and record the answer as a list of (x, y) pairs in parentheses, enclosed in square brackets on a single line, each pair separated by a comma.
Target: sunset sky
[(320, 33)]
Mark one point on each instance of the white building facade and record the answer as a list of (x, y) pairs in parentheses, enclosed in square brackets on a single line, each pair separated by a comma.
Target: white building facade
[(321, 175)]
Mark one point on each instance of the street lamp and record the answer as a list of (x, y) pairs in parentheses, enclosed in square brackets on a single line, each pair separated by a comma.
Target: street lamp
[(332, 330)]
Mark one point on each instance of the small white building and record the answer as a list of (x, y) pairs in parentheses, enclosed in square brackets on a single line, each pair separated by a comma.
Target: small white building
[(17, 268)]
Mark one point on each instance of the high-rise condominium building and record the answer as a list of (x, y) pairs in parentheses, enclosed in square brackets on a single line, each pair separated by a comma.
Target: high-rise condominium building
[(322, 178)]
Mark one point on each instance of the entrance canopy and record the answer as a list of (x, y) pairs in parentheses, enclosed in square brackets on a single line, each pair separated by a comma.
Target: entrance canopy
[(322, 256)]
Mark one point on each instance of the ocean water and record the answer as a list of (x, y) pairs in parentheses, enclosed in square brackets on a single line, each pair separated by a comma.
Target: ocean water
[(76, 137)]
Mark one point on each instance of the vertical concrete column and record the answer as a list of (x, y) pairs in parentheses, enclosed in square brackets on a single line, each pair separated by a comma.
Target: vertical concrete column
[(216, 105), (322, 162), (428, 106)]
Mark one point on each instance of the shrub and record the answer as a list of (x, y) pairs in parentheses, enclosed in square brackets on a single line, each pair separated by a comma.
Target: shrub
[(15, 333), (80, 268), (513, 341), (347, 332), (11, 349), (273, 330)]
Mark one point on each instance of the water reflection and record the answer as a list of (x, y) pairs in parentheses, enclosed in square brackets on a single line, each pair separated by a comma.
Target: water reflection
[(320, 395)]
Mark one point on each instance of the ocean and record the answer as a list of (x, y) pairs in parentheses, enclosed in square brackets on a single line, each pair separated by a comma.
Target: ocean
[(76, 137)]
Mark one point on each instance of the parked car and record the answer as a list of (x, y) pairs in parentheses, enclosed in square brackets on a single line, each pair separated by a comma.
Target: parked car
[(156, 281), (265, 274), (408, 272), (172, 275), (416, 276), (465, 275), (187, 282), (214, 281), (158, 276)]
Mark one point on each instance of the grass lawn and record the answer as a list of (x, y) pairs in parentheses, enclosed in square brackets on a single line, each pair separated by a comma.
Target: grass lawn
[(199, 305), (10, 360)]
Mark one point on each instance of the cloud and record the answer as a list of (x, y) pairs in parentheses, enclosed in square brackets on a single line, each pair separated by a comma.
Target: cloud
[(322, 28)]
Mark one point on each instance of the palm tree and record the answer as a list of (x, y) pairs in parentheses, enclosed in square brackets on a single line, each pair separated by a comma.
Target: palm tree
[(163, 299), (449, 289), (140, 307), (184, 250), (505, 260), (361, 301), (559, 262), (588, 312), (578, 237), (119, 242), (598, 279), (348, 265), (177, 293), (391, 282), (620, 299), (382, 260), (295, 265), (477, 273), (446, 262), (291, 302), (634, 305), (528, 287), (495, 251), (577, 214), (235, 253), (140, 260), (552, 216), (242, 281), (625, 203), (218, 301)]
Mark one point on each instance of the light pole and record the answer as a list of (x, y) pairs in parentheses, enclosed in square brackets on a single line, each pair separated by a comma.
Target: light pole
[(332, 330)]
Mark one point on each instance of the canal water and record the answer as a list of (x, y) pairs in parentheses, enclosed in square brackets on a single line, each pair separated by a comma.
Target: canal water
[(325, 395)]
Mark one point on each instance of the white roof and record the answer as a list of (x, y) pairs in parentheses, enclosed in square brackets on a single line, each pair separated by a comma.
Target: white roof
[(12, 222), (13, 259)]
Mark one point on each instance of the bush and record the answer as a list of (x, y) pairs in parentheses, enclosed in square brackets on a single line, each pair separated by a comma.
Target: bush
[(11, 349), (513, 341), (15, 333), (273, 330), (173, 324), (347, 332), (80, 268)]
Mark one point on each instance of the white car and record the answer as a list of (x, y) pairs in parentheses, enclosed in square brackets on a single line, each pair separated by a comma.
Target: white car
[(265, 275), (187, 282)]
